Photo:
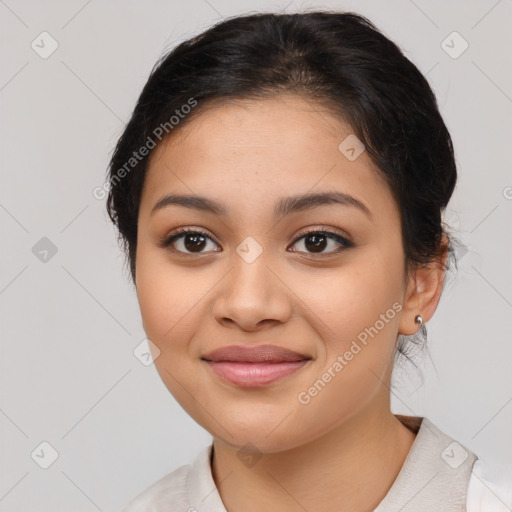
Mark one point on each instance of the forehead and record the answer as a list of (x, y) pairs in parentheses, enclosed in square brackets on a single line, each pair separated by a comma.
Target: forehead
[(249, 153), (263, 128)]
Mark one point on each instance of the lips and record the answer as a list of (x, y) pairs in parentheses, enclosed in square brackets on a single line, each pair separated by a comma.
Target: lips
[(254, 366), (258, 354)]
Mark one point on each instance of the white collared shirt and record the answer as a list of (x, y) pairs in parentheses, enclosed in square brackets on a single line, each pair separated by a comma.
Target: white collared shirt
[(438, 475)]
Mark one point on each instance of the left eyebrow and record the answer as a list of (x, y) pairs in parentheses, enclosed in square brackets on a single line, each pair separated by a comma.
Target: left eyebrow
[(283, 207), (291, 204)]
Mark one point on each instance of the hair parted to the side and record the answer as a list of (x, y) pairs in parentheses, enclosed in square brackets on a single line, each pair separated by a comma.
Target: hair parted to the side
[(338, 60)]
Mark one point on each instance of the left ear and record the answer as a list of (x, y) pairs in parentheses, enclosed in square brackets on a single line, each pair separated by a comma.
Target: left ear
[(423, 292)]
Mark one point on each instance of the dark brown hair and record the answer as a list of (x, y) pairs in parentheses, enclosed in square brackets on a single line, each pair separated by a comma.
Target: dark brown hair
[(340, 60)]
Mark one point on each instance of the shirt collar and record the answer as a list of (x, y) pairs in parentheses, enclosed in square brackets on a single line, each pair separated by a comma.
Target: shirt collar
[(434, 476), (202, 491)]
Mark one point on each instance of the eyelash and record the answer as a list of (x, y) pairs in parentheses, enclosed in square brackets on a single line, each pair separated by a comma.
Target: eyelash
[(330, 234)]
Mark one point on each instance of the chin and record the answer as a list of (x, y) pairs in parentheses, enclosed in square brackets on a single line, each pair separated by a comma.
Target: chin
[(256, 442), (263, 435)]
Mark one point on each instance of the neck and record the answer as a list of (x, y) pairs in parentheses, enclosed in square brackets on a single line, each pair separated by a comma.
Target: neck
[(352, 467)]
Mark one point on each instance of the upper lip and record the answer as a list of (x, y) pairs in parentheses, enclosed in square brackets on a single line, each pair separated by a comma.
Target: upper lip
[(261, 353)]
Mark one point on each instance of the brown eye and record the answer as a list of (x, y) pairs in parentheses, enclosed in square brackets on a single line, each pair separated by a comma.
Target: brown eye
[(315, 242), (188, 241), (192, 241)]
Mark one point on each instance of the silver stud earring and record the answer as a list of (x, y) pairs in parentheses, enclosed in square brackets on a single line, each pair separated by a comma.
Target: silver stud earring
[(419, 320)]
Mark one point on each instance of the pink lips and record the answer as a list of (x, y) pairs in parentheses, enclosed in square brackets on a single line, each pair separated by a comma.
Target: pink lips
[(254, 366)]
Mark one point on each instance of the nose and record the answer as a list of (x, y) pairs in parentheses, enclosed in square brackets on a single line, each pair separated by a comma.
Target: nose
[(252, 296)]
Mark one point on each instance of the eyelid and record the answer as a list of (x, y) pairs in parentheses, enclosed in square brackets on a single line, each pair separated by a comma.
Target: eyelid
[(342, 239), (322, 229), (330, 232), (167, 240)]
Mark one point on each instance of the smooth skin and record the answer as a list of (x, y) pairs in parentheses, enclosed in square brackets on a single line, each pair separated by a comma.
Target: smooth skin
[(344, 448)]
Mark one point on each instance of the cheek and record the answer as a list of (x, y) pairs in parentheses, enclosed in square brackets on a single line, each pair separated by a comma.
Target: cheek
[(167, 295), (169, 300), (360, 296), (361, 309)]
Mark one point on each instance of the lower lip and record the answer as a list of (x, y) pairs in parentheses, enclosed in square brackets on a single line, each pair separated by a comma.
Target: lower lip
[(254, 374)]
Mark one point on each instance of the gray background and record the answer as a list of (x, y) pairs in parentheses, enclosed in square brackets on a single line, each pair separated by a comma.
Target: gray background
[(70, 323)]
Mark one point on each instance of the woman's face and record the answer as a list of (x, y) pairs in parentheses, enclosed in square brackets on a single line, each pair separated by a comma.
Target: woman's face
[(255, 278)]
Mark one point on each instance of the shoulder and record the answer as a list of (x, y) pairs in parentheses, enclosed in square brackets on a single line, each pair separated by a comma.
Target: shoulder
[(490, 488), (188, 488), (170, 490)]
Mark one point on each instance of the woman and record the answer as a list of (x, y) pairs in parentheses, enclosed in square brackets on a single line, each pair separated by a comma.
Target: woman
[(278, 191)]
